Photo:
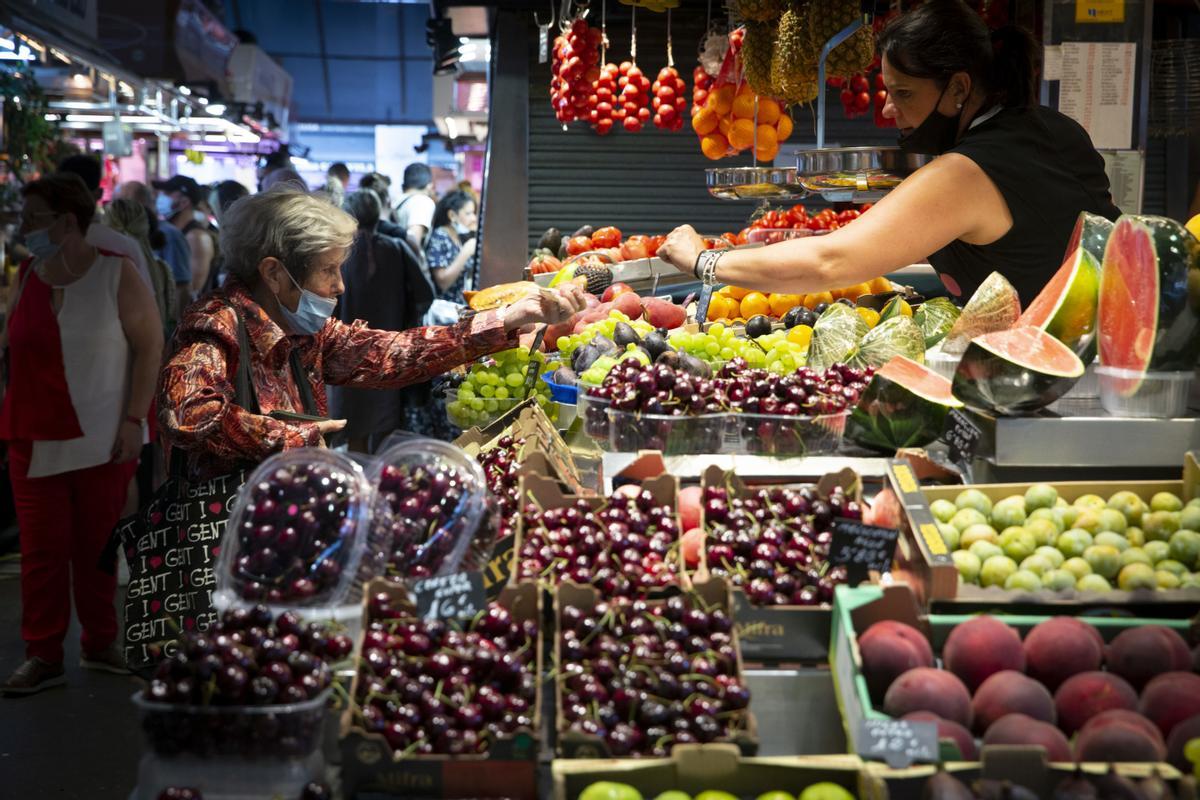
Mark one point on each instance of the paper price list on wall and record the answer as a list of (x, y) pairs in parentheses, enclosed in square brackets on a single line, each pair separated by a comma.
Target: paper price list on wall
[(1096, 90)]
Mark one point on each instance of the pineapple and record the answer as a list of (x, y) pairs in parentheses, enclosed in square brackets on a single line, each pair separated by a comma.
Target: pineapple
[(794, 62), (758, 10), (757, 49), (853, 55)]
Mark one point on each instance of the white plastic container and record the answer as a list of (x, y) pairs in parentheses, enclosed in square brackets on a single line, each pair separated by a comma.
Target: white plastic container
[(1133, 393)]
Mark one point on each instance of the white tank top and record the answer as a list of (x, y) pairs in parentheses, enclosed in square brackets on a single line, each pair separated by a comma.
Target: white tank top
[(96, 359)]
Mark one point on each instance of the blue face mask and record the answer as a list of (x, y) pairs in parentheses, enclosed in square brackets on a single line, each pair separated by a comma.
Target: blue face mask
[(312, 312), (38, 242), (164, 206)]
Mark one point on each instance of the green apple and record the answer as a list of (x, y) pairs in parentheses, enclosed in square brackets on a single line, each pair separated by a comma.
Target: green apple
[(1105, 560), (1185, 547), (1059, 580), (1077, 567), (1044, 531), (1111, 539), (1053, 554), (973, 498), (1157, 551), (985, 550), (1165, 501), (1091, 502), (950, 536), (996, 570), (1038, 565), (978, 533), (967, 517), (1009, 512), (943, 510), (1112, 520), (1073, 542), (968, 565), (1069, 514), (713, 794), (825, 791), (674, 794), (1172, 566), (1088, 520), (1135, 555), (1017, 543), (1167, 580), (1130, 505), (1052, 515), (1023, 580), (607, 790), (1189, 518), (1135, 536), (1159, 525), (1093, 583), (775, 795), (1137, 576), (1040, 495)]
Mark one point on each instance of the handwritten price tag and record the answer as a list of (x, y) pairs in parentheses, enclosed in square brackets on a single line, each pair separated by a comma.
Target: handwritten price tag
[(898, 742), (862, 548), (457, 596), (962, 436)]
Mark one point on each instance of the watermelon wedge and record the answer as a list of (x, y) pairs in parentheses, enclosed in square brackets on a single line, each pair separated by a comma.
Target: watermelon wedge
[(1148, 319), (904, 405), (1066, 308), (1017, 371), (995, 306)]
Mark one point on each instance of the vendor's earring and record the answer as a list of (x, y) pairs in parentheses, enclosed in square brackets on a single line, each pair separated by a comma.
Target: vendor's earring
[(958, 106)]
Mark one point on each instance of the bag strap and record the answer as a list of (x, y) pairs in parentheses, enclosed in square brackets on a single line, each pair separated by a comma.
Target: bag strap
[(302, 384)]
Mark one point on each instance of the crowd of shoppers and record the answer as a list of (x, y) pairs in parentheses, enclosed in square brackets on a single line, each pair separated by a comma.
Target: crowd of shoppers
[(330, 288)]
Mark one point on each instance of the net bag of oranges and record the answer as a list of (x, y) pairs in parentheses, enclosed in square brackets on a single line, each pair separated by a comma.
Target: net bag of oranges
[(734, 118)]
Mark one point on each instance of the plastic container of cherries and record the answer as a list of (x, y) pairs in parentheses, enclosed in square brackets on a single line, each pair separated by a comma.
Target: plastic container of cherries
[(301, 535), (436, 499)]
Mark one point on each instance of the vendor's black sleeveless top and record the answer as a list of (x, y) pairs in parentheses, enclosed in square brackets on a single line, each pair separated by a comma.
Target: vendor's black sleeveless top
[(1044, 165)]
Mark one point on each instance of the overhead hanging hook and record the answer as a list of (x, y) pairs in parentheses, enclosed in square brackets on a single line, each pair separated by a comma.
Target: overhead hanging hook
[(670, 53), (633, 34)]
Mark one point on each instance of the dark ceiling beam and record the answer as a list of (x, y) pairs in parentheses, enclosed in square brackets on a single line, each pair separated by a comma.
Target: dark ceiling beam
[(324, 60), (349, 56)]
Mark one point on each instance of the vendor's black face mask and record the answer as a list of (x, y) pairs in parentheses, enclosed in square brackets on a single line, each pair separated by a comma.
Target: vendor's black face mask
[(935, 135)]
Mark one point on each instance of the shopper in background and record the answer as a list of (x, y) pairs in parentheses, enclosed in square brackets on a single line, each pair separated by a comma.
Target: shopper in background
[(466, 187), (170, 244), (223, 195), (280, 159), (178, 202), (84, 346), (286, 176), (381, 185), (386, 289), (285, 254), (99, 234), (341, 173), (130, 218), (452, 244), (414, 212)]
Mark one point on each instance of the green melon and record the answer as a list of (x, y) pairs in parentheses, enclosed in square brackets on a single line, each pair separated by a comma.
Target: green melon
[(835, 337), (904, 405), (898, 336), (995, 306), (1066, 307), (1017, 371), (1149, 311), (935, 318)]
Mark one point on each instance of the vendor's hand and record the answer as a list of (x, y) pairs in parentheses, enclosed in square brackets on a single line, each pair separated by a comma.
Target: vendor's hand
[(549, 306), (330, 426), (469, 246), (128, 444), (681, 249)]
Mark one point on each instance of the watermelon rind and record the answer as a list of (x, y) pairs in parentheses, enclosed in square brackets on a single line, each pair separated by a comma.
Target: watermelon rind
[(896, 411), (1091, 234), (995, 306), (898, 336), (1066, 308), (935, 317), (989, 380), (1149, 274)]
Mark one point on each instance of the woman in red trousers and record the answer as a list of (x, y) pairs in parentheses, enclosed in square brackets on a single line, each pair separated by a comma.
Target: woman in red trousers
[(84, 343)]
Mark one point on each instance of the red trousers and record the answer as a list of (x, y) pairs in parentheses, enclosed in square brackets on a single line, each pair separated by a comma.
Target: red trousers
[(65, 521)]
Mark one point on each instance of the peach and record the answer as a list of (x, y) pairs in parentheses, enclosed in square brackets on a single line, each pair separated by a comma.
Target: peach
[(1138, 654), (1061, 647), (1117, 741), (1181, 734), (664, 314), (889, 649), (1170, 699), (929, 689), (981, 647), (628, 304), (1011, 692), (948, 729), (689, 507), (1130, 719), (1022, 729), (1087, 694)]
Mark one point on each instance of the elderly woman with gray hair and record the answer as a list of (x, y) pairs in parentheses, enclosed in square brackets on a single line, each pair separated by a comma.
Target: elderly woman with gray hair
[(284, 251)]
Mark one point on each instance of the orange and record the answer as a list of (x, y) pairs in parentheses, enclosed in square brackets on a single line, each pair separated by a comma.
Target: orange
[(741, 134), (721, 101), (767, 138), (736, 292), (724, 126), (755, 303), (783, 128), (814, 300), (745, 89), (763, 153), (768, 111), (782, 303), (880, 285), (716, 308), (869, 316), (714, 146), (858, 290), (743, 106), (705, 121), (838, 294)]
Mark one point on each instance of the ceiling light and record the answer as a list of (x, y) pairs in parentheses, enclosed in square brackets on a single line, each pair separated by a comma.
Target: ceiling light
[(216, 109), (185, 91), (451, 127)]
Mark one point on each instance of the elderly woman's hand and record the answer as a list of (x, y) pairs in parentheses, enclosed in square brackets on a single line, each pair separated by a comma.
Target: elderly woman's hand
[(549, 306), (682, 247)]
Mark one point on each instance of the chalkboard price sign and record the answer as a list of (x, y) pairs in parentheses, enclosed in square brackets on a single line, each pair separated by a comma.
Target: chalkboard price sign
[(456, 596), (860, 547), (962, 436), (898, 742)]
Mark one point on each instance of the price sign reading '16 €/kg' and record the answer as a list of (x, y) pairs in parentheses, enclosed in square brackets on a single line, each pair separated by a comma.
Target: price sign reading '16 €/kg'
[(898, 742), (456, 596)]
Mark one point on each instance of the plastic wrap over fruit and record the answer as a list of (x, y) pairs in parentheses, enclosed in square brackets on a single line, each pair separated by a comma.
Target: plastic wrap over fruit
[(297, 532), (440, 507)]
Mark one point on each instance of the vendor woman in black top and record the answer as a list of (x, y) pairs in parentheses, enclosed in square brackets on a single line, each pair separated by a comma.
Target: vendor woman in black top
[(1004, 195)]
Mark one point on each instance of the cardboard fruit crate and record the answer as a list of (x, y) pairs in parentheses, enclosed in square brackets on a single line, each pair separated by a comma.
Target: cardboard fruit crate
[(713, 594), (694, 768), (857, 608), (542, 442), (924, 560), (508, 769), (776, 633)]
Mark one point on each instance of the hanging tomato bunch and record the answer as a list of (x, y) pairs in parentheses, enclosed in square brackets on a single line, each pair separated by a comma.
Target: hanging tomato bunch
[(670, 101), (634, 96), (702, 85), (574, 70), (603, 109)]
